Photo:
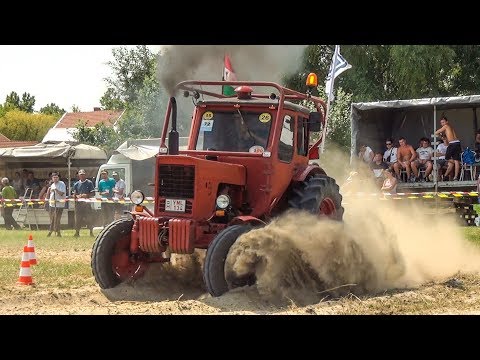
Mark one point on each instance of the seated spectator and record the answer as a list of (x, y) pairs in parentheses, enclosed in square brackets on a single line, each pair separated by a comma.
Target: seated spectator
[(423, 160), (390, 183), (477, 146), (366, 153), (378, 166), (440, 154), (405, 156), (390, 155)]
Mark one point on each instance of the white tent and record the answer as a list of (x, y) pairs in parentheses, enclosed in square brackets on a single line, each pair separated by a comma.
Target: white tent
[(52, 155)]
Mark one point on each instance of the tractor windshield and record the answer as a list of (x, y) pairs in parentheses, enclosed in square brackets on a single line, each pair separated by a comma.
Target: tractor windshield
[(238, 131)]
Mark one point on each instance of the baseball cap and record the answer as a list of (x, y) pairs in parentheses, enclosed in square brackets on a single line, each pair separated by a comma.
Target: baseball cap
[(81, 172)]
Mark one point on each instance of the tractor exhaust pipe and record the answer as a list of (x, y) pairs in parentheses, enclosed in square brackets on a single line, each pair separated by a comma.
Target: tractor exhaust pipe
[(173, 138)]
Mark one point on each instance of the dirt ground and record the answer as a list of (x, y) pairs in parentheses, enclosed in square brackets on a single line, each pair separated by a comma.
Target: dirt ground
[(167, 290), (388, 267)]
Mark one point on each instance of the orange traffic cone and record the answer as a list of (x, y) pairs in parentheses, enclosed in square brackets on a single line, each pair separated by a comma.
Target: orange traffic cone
[(31, 251), (25, 276)]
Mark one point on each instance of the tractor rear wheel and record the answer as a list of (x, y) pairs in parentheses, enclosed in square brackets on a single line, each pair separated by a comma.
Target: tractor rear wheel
[(112, 262), (214, 266), (319, 195)]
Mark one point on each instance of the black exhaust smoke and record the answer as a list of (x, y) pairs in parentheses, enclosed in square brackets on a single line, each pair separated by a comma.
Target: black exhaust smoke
[(173, 138)]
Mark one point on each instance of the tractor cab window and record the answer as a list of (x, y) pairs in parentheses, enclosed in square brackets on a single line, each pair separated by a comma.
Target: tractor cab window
[(302, 136), (238, 131), (285, 145)]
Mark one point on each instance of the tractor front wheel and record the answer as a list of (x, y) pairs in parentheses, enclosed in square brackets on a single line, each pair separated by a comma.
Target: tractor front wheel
[(112, 262), (214, 267)]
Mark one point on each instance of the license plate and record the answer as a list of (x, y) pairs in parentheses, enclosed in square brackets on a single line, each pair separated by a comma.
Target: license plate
[(175, 205)]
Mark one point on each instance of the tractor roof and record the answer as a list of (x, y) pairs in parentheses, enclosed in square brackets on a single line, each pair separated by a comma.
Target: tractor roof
[(256, 102)]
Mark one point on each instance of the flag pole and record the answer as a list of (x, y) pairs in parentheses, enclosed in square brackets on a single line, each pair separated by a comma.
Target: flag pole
[(330, 93)]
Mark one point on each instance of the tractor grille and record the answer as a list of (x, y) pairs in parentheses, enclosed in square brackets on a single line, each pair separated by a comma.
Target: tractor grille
[(177, 181)]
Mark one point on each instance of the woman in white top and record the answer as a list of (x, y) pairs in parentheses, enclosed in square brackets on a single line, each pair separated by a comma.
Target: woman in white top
[(390, 183)]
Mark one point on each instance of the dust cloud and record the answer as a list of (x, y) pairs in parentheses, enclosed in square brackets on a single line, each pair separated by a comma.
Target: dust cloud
[(205, 62), (382, 244)]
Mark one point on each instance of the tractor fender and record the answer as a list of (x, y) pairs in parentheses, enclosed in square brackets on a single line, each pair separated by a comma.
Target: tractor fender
[(311, 170), (239, 220)]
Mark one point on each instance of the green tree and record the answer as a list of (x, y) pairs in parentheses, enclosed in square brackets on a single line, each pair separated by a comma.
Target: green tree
[(20, 125), (52, 109), (12, 101), (75, 108), (130, 68), (144, 118), (100, 135), (27, 103), (111, 100), (338, 122), (466, 71)]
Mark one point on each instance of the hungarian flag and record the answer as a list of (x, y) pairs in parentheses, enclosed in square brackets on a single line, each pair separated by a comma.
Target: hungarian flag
[(228, 75)]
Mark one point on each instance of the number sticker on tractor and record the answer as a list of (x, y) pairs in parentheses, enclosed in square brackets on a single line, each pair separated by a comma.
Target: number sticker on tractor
[(207, 125), (208, 115), (265, 117)]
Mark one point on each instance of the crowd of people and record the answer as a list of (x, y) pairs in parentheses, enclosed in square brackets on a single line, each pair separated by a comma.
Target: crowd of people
[(404, 163), (52, 192)]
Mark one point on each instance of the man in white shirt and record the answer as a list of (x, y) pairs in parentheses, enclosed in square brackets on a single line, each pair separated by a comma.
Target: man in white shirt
[(56, 194), (424, 159), (366, 153), (118, 195), (390, 155)]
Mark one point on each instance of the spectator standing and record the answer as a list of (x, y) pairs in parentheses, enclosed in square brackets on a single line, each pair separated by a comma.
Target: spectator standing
[(454, 148), (105, 188), (17, 184), (56, 194), (34, 184), (83, 190), (118, 195), (8, 193)]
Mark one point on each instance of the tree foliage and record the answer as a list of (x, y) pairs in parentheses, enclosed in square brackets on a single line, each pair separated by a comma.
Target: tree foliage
[(100, 135), (26, 103), (20, 125), (52, 109), (130, 68)]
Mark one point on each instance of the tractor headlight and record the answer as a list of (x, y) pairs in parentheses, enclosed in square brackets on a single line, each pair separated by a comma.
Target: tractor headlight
[(223, 201), (137, 197)]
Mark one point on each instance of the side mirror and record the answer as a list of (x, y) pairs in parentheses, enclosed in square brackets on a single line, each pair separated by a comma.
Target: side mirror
[(315, 121)]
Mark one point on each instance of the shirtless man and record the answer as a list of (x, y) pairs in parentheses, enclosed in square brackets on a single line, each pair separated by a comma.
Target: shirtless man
[(454, 148), (405, 156)]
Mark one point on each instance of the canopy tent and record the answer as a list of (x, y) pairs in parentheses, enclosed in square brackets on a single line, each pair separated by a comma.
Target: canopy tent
[(61, 150), (51, 156), (142, 149), (373, 122)]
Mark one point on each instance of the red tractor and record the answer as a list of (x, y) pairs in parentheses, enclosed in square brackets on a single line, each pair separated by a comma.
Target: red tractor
[(247, 161)]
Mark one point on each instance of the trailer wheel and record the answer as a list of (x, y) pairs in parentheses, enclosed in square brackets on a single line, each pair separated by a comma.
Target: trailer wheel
[(214, 266), (320, 195), (112, 263)]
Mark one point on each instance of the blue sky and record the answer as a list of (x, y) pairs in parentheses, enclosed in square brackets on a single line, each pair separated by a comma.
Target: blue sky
[(63, 74)]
